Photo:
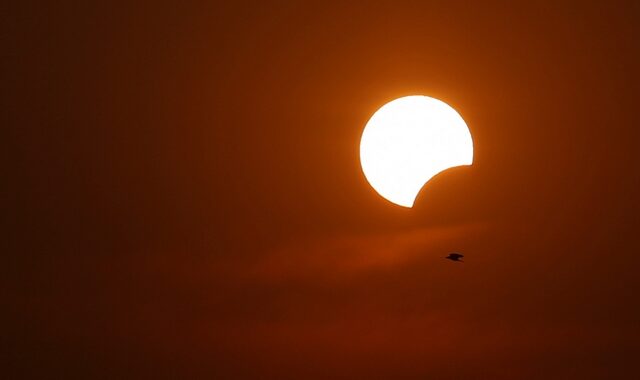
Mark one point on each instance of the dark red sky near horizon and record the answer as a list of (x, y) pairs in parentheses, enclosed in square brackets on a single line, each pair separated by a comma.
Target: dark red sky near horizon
[(184, 196)]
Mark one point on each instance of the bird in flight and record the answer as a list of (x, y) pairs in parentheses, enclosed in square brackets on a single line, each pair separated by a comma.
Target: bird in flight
[(455, 257)]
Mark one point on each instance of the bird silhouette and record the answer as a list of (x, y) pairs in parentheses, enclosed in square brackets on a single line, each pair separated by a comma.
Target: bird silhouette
[(455, 257)]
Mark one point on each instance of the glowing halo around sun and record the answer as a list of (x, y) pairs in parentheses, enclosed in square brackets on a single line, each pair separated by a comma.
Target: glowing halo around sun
[(408, 141)]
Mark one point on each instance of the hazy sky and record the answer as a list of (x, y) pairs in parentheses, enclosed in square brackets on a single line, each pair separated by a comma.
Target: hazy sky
[(184, 198)]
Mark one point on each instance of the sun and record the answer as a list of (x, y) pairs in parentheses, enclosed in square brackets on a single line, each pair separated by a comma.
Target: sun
[(408, 141)]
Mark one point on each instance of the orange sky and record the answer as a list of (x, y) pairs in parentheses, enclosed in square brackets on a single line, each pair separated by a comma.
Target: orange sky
[(185, 198)]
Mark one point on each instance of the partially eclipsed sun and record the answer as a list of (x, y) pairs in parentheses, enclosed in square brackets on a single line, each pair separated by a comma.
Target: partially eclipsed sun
[(410, 140)]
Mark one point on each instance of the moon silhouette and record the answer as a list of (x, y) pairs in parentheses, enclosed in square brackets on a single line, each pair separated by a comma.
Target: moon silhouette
[(408, 141)]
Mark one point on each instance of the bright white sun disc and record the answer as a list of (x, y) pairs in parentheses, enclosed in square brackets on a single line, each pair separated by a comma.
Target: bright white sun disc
[(408, 141)]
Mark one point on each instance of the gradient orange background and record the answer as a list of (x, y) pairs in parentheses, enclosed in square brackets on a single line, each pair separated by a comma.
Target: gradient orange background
[(184, 199)]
